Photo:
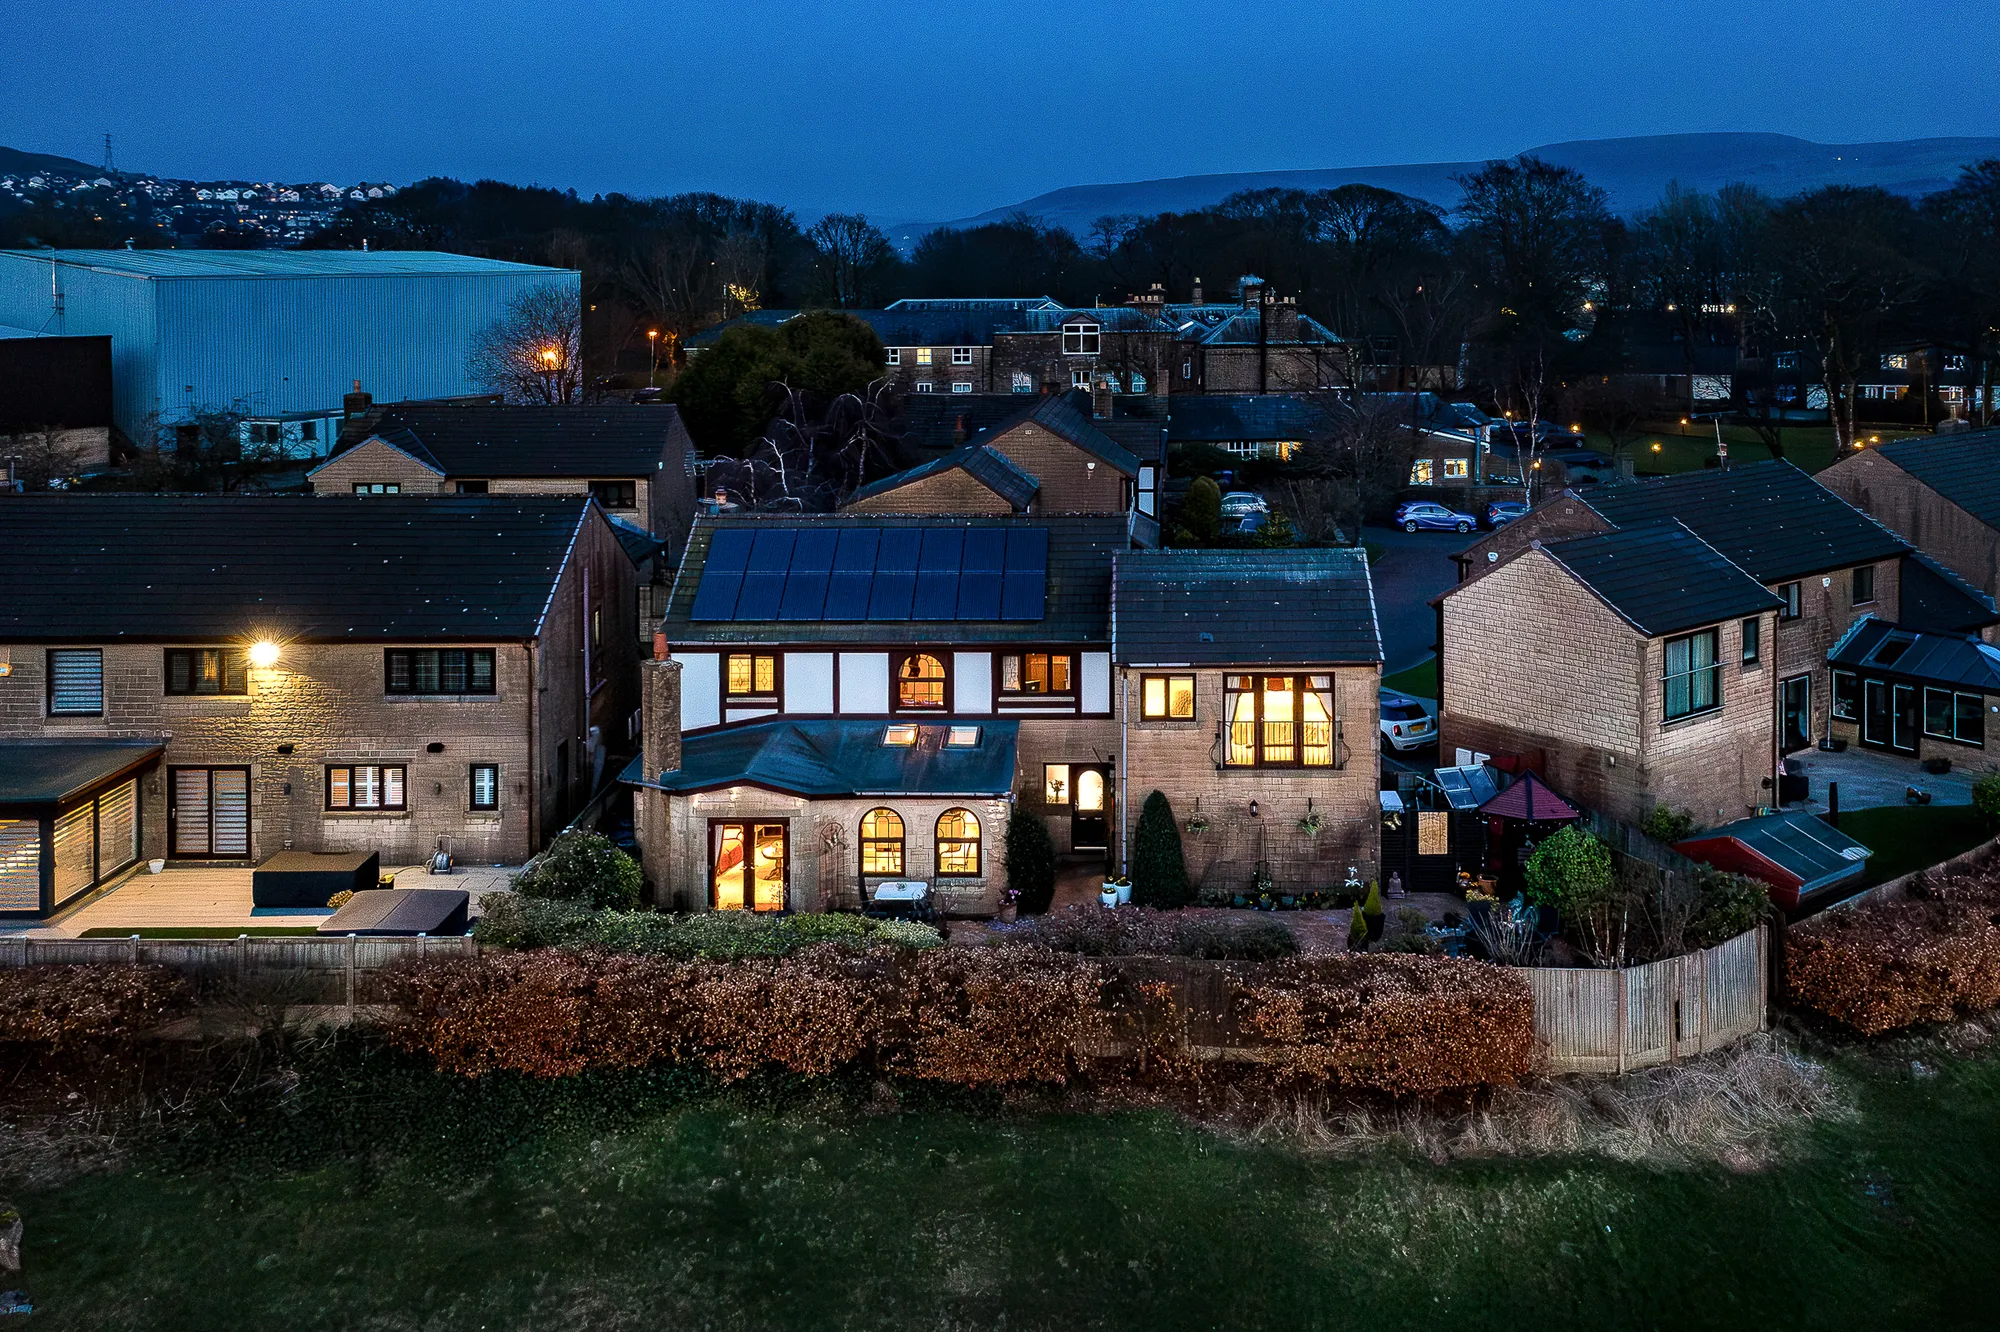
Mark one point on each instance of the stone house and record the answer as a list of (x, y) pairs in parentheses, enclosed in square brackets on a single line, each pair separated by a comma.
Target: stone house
[(631, 459), (1249, 693), (1260, 344), (1630, 667), (314, 673)]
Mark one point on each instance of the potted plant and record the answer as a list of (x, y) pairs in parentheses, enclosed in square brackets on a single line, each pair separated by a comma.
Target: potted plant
[(1197, 824), (1108, 894), (1357, 931), (1010, 905), (1311, 823), (1122, 886), (1263, 889)]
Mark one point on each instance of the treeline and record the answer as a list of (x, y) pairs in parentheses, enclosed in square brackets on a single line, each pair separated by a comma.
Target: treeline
[(1530, 284)]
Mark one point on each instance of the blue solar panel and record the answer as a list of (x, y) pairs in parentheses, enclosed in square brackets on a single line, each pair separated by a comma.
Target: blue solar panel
[(853, 574), (812, 566), (722, 575), (764, 580), (895, 574), (1024, 587), (937, 574), (979, 576)]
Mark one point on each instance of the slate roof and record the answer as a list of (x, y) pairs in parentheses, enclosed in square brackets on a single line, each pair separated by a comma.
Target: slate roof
[(1220, 418), (1077, 608), (842, 758), (1239, 329), (1964, 468), (1060, 414), (44, 772), (1770, 518), (1881, 648), (1530, 800), (328, 568), (1243, 608), (1661, 577), (638, 544), (611, 441), (986, 465), (1933, 599), (931, 421)]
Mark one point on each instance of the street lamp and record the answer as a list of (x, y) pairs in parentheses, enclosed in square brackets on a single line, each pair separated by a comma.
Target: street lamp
[(653, 344)]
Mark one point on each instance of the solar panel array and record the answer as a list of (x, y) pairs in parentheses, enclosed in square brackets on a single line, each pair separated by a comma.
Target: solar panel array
[(874, 573)]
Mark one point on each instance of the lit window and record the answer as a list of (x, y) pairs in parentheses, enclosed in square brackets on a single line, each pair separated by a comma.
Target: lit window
[(1457, 469), (961, 356), (1421, 473), (920, 682), (1055, 783), (1037, 673), (881, 842), (364, 786), (923, 356), (1167, 697), (485, 786), (1279, 721), (1896, 361), (901, 736), (957, 843), (961, 737), (1080, 339), (751, 675)]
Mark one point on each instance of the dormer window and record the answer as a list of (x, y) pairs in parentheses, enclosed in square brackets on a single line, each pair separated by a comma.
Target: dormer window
[(1080, 338)]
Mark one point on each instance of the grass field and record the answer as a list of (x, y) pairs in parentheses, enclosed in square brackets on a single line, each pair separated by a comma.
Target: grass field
[(393, 1199), (1421, 679), (1910, 837), (1678, 449)]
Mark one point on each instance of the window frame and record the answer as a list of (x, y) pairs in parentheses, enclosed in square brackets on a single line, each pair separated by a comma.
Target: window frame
[(1256, 687), (49, 682), (381, 771), (378, 487), (897, 680), (1956, 701), (1166, 712), (1793, 595), (472, 655), (976, 843), (1668, 675), (774, 695), (882, 842), (1752, 631), (625, 488), (924, 356), (1852, 692), (1457, 469), (1082, 337), (1863, 584), (961, 356), (472, 803), (894, 354), (1072, 663), (194, 655)]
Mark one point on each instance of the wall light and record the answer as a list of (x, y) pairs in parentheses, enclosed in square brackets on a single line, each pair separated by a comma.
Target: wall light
[(264, 654)]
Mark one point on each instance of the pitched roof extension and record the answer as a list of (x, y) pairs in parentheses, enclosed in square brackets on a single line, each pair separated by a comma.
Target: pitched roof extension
[(984, 464), (611, 442), (1964, 468), (326, 568), (1244, 608), (1661, 577), (843, 758), (1881, 648), (1059, 414), (44, 772)]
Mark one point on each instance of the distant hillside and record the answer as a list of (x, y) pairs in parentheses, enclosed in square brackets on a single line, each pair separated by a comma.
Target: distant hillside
[(1634, 171), (14, 162)]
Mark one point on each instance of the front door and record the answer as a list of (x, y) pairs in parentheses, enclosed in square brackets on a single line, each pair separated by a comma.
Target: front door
[(1797, 695), (208, 812), (1090, 811), (747, 865)]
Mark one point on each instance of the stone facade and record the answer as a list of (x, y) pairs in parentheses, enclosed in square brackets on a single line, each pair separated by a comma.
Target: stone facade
[(1927, 520), (1035, 362), (954, 491), (374, 462), (1535, 665), (1072, 479), (934, 369)]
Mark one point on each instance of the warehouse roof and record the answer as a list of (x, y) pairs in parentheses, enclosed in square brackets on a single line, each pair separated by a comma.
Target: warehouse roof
[(332, 568), (1662, 577), (1241, 608), (279, 263), (615, 441), (1964, 468), (846, 758), (1770, 518), (46, 772)]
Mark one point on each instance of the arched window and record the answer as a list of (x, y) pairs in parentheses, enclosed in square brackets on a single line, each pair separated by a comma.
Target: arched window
[(881, 842), (957, 842), (920, 682)]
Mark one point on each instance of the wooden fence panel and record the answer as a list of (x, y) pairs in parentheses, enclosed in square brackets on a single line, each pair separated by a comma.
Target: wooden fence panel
[(1613, 1021), (243, 954)]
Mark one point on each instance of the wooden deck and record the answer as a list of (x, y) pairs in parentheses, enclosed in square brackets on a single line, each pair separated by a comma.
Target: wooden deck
[(218, 898)]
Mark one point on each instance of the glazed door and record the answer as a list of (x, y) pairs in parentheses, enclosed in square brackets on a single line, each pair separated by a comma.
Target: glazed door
[(1090, 811), (208, 812), (1903, 734), (1797, 729), (1875, 713), (748, 865)]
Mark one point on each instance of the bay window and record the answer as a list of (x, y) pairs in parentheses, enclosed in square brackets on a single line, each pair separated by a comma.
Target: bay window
[(1279, 721)]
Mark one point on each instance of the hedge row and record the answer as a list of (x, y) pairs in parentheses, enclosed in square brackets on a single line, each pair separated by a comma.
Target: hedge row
[(60, 1006), (1931, 958), (513, 920), (972, 1017)]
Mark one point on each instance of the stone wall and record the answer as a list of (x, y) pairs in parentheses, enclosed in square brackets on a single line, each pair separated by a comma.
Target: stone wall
[(1070, 483), (373, 462), (1921, 516), (945, 492)]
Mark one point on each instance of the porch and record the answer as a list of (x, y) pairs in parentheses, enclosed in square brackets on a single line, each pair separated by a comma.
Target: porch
[(1869, 778)]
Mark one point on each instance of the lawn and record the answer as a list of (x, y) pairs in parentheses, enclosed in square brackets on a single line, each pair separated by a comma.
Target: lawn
[(387, 1197), (1911, 837), (1420, 679), (199, 932), (1811, 447)]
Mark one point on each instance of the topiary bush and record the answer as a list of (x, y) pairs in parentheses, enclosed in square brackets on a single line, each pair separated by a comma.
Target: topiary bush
[(1201, 511), (1159, 873), (1572, 872), (584, 867), (1031, 859), (1986, 801)]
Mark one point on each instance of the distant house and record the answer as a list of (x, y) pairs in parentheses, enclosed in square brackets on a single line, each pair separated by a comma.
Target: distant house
[(631, 460), (1260, 344), (314, 673)]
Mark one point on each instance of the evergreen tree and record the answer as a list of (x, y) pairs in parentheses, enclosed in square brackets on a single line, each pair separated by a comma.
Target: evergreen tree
[(1159, 873), (1031, 859)]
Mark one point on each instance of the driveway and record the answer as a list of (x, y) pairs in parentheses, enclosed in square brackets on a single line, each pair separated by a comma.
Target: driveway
[(1414, 567)]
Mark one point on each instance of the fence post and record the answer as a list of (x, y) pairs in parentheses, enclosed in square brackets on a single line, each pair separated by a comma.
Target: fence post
[(1620, 974), (135, 950), (242, 956), (1701, 979), (1674, 1014), (352, 943)]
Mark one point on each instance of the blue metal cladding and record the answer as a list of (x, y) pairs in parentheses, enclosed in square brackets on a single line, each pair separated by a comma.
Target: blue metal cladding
[(269, 331)]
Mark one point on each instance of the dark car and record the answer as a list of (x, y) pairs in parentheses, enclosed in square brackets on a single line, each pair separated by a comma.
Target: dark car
[(1427, 516), (1502, 512)]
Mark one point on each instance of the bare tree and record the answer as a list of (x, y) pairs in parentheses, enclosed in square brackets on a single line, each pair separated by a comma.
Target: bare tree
[(812, 458), (534, 352), (855, 259), (46, 458), (1354, 461)]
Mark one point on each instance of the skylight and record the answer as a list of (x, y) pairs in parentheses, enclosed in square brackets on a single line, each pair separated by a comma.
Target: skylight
[(962, 737), (900, 736)]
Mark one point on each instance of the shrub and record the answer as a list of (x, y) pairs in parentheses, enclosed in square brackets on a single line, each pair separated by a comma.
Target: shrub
[(1572, 872), (1143, 932), (1394, 1023), (1201, 511), (1031, 859), (1986, 800), (1372, 905), (584, 867), (1159, 874), (514, 922), (1730, 904), (59, 1006), (1667, 825), (341, 898), (1932, 958), (1357, 930)]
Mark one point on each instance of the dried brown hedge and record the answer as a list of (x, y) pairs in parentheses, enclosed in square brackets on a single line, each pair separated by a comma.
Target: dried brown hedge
[(1394, 1023), (60, 1006), (1931, 958)]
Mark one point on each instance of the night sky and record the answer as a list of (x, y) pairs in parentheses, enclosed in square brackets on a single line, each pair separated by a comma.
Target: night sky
[(938, 109)]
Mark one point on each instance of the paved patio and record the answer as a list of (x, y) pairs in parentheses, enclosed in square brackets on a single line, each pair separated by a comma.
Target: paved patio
[(1869, 778), (218, 898)]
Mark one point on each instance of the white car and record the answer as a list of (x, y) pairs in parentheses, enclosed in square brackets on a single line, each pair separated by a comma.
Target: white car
[(1406, 722), (1240, 504)]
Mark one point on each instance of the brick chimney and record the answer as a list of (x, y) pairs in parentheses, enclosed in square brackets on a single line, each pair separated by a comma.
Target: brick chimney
[(1251, 289), (1195, 298), (1281, 317), (659, 751), (356, 402)]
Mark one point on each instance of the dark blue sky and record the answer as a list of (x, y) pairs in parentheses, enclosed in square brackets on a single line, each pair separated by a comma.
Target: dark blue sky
[(939, 108)]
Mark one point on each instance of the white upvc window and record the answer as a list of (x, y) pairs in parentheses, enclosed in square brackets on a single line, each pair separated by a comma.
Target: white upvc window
[(961, 386), (961, 356), (1081, 338), (923, 356), (895, 355)]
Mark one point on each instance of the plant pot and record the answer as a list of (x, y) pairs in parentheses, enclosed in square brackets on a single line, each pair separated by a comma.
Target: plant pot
[(1008, 913), (1937, 767), (1374, 922), (1833, 746), (1108, 896), (1288, 903), (155, 866), (1124, 887)]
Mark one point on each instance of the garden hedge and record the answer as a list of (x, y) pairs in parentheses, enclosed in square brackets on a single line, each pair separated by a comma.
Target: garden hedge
[(1931, 958), (59, 1005)]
